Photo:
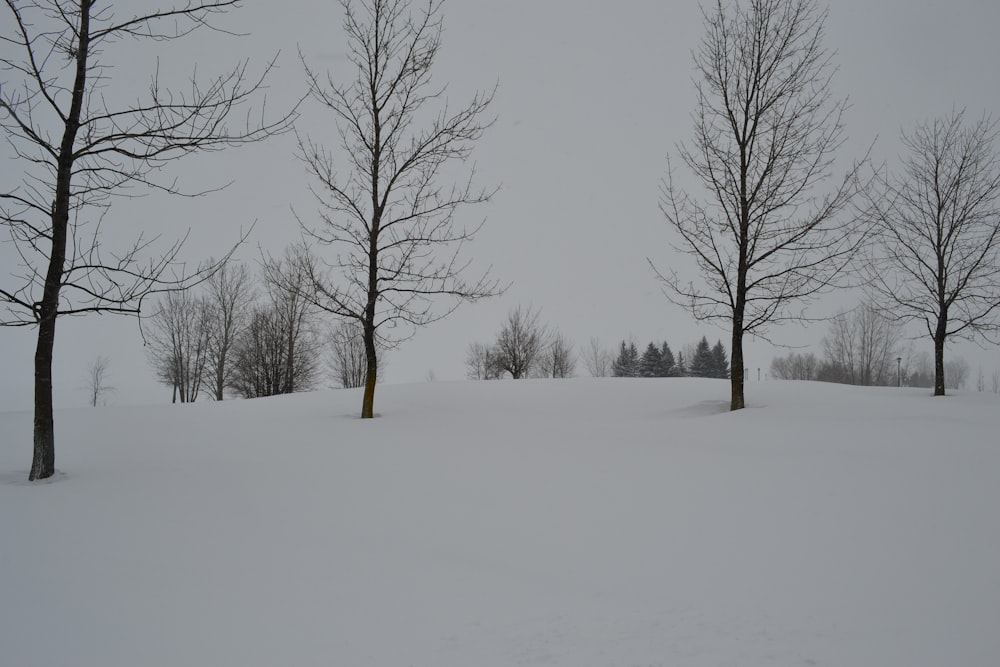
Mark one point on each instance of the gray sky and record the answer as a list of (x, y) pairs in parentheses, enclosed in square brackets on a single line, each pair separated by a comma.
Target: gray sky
[(592, 98)]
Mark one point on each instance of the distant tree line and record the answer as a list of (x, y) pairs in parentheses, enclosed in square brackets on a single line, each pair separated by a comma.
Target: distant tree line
[(232, 337), (864, 346), (524, 347)]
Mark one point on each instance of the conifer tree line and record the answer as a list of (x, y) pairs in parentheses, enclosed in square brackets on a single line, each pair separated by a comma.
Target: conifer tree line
[(658, 360)]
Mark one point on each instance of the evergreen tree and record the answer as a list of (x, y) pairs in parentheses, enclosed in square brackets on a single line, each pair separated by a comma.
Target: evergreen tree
[(666, 368), (680, 368), (702, 364), (633, 360), (650, 363), (720, 361), (627, 363)]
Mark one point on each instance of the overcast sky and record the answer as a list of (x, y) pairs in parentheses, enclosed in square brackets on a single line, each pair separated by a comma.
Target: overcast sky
[(592, 98)]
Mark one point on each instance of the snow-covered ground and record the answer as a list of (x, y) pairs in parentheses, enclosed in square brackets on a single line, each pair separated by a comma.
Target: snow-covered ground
[(618, 523)]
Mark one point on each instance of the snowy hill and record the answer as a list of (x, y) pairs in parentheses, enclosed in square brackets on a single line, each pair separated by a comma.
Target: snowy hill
[(581, 522)]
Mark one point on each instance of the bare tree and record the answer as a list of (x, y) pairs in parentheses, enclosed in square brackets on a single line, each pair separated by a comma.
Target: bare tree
[(597, 359), (383, 205), (97, 380), (995, 381), (348, 360), (288, 283), (228, 299), (177, 340), (265, 364), (481, 363), (77, 152), (956, 369), (864, 343), (558, 359), (795, 366), (520, 343), (766, 131), (938, 224)]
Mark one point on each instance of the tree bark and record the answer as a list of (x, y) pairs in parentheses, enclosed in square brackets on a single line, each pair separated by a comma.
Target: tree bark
[(371, 359), (43, 460), (939, 337), (736, 369), (43, 457)]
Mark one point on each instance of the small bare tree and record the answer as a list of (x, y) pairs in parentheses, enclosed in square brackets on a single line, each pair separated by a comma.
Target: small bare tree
[(795, 366), (77, 151), (597, 359), (264, 363), (228, 299), (956, 369), (937, 259), (288, 284), (558, 359), (520, 343), (766, 130), (97, 381), (864, 343), (348, 361), (177, 340), (481, 363), (383, 206)]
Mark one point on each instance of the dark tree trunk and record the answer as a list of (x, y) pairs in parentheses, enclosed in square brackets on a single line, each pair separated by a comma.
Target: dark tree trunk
[(43, 457), (939, 338), (371, 373), (736, 401)]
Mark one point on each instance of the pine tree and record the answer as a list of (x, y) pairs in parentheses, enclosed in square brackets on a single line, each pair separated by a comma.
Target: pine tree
[(666, 368), (720, 361), (702, 364), (650, 363), (627, 363), (633, 360), (680, 368)]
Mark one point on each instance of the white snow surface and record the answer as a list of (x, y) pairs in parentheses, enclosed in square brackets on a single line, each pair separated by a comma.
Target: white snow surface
[(612, 522)]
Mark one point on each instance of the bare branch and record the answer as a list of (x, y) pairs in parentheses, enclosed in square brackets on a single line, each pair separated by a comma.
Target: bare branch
[(383, 210), (770, 234)]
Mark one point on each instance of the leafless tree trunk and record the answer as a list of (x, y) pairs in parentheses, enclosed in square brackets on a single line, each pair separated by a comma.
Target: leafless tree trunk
[(766, 130), (97, 380), (597, 359), (383, 206), (177, 340), (229, 299), (558, 359), (520, 343), (937, 259), (77, 153)]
